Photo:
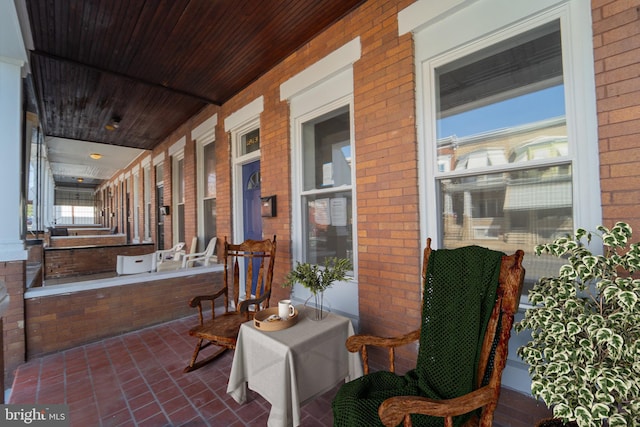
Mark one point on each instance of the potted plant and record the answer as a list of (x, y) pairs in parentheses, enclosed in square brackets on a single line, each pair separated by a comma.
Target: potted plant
[(317, 279), (584, 352)]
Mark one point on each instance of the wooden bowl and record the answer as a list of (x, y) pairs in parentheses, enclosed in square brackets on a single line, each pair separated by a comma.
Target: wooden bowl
[(263, 321)]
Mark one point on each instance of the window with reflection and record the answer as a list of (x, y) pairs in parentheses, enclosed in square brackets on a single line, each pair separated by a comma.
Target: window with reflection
[(250, 142), (326, 187), (504, 170), (179, 203), (209, 186), (146, 173)]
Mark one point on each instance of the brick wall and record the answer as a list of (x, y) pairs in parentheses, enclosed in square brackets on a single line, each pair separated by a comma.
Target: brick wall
[(89, 232), (71, 241), (63, 321), (389, 247), (616, 39), (13, 275), (71, 262)]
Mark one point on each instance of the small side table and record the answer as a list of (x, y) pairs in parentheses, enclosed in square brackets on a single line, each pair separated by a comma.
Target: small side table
[(292, 366)]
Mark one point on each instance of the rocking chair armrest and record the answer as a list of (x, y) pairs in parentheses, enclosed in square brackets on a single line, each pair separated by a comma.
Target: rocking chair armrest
[(356, 342), (197, 300), (243, 307), (393, 410)]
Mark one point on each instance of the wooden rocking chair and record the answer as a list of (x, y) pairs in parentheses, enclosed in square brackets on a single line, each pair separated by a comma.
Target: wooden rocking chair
[(257, 258), (384, 398)]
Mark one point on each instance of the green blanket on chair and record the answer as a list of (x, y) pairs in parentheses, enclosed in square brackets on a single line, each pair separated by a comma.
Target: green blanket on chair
[(459, 295)]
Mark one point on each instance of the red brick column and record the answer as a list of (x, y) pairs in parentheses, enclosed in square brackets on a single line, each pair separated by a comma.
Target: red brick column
[(13, 274)]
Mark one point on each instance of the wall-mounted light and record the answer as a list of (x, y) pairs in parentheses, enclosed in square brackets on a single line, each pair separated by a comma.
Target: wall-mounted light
[(113, 124), (95, 156)]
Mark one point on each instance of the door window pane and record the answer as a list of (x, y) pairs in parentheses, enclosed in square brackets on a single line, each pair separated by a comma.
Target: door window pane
[(250, 142)]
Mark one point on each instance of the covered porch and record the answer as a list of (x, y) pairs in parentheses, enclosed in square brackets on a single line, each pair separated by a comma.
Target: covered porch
[(137, 379)]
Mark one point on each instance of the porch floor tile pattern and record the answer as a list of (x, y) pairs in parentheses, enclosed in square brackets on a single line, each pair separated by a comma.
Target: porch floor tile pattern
[(136, 379)]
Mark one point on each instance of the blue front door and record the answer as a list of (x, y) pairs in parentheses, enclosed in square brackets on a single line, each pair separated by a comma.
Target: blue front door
[(251, 201), (252, 220)]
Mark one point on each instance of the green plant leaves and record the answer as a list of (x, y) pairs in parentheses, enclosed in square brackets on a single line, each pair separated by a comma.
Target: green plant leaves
[(317, 278), (583, 416), (584, 351), (627, 300), (617, 420)]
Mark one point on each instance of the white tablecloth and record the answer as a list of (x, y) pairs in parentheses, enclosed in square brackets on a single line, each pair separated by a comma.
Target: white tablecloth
[(294, 365)]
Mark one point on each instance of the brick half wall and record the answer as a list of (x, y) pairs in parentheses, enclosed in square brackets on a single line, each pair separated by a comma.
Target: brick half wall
[(71, 262), (69, 319)]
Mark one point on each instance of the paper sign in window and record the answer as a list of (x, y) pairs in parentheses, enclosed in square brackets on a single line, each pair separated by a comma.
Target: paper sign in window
[(327, 174), (321, 212), (339, 212)]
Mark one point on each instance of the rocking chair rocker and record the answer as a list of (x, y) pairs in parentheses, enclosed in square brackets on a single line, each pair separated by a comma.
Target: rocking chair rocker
[(470, 297), (257, 257)]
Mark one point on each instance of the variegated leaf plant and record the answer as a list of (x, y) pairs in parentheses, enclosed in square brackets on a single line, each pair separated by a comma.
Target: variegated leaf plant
[(584, 352)]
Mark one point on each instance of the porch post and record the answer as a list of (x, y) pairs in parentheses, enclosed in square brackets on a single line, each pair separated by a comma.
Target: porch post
[(11, 245)]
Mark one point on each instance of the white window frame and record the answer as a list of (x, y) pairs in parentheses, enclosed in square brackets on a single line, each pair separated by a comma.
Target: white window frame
[(469, 25), (136, 206), (146, 177), (175, 190), (204, 134), (323, 97), (176, 154), (495, 20)]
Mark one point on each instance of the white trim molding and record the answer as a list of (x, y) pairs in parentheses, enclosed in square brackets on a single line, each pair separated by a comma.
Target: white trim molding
[(425, 12), (145, 162), (326, 68), (177, 146), (158, 159), (205, 131), (244, 114)]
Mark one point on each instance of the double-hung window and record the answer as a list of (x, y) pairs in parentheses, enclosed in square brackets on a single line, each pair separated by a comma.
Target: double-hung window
[(178, 199), (323, 170), (326, 193), (146, 173), (508, 148), (209, 191), (507, 128), (505, 174)]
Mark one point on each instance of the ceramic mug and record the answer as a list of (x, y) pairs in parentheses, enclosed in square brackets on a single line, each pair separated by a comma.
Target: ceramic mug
[(285, 309)]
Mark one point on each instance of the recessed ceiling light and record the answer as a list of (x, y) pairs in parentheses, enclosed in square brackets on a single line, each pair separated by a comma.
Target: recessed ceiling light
[(113, 124), (95, 156)]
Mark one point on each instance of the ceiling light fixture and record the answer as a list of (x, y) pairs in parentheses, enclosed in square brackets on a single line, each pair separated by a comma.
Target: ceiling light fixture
[(80, 179), (113, 124), (95, 156)]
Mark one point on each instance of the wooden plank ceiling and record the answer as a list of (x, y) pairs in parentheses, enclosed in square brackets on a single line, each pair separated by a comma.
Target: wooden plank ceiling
[(152, 64)]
